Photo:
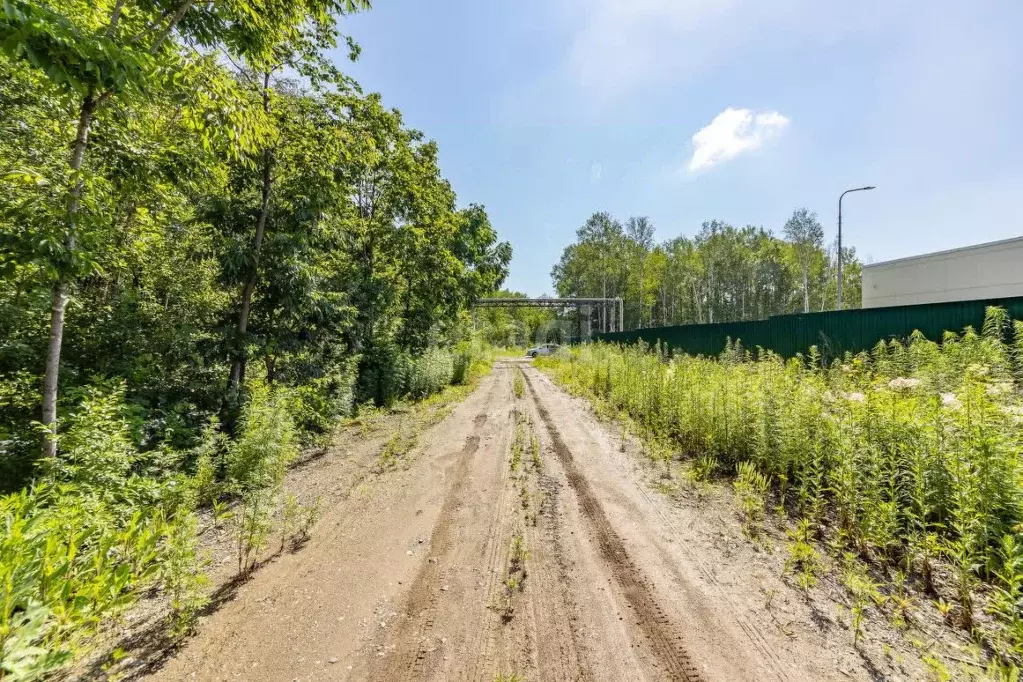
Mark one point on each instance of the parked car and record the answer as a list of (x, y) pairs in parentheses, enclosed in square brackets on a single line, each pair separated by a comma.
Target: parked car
[(545, 349)]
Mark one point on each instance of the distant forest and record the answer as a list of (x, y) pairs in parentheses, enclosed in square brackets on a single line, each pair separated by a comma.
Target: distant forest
[(722, 274)]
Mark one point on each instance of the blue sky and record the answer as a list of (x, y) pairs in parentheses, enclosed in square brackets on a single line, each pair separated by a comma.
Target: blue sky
[(546, 111)]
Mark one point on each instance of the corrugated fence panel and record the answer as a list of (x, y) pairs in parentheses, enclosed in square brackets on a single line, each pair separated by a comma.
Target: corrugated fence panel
[(833, 332)]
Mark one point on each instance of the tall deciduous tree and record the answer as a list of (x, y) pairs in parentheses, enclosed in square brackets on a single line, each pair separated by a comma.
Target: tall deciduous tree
[(722, 273), (807, 236), (98, 51)]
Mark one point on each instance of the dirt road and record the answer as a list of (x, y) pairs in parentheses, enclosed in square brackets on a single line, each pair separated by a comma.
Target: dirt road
[(517, 538)]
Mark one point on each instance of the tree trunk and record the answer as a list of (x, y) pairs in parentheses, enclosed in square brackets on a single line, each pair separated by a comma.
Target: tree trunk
[(806, 290), (59, 297), (603, 305), (238, 363), (664, 305)]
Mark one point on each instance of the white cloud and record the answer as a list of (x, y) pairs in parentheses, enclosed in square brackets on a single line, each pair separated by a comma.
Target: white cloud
[(731, 133), (595, 172)]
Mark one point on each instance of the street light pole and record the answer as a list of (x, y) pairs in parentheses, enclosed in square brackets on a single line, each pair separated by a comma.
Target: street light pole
[(840, 197)]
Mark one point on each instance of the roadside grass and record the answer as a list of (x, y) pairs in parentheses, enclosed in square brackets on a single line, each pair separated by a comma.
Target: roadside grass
[(907, 458)]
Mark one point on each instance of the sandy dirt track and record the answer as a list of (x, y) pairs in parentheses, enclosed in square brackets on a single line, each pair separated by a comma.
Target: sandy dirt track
[(406, 576)]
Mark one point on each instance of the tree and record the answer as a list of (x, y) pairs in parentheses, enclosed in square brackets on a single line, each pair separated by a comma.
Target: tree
[(807, 236), (723, 273), (640, 232), (596, 265), (95, 52)]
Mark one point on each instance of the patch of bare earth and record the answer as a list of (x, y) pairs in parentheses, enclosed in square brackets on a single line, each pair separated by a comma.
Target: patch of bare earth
[(472, 556)]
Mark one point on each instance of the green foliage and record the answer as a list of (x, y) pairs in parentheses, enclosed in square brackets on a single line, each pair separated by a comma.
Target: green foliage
[(430, 373), (266, 444), (18, 398), (515, 327), (913, 449), (804, 560), (253, 527), (750, 489), (724, 273), (864, 591), (210, 456), (473, 358), (82, 545), (388, 375), (318, 402), (97, 452), (515, 580), (1008, 597), (142, 148), (519, 443), (366, 260), (182, 573), (297, 520)]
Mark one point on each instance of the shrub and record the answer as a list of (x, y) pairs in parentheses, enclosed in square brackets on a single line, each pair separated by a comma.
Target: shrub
[(267, 441), (68, 559), (430, 373), (19, 443), (318, 402), (750, 489), (473, 358), (383, 371), (96, 451), (103, 524)]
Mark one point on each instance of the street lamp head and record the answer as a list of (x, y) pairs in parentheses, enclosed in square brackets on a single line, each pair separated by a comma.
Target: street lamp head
[(868, 187)]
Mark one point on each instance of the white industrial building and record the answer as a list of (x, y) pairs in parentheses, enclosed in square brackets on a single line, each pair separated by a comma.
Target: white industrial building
[(992, 270)]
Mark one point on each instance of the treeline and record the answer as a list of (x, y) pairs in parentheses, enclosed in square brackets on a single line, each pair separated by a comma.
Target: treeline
[(194, 196), (722, 274), (515, 327)]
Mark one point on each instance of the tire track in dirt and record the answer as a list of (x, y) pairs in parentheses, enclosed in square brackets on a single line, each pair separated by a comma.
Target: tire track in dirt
[(551, 606), (756, 637), (412, 635), (768, 655), (483, 651), (662, 634), (543, 624)]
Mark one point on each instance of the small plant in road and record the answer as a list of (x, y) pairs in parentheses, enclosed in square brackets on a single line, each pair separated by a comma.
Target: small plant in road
[(864, 592), (804, 560), (534, 452), (750, 489)]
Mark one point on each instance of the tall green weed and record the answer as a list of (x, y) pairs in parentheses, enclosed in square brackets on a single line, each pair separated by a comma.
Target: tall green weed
[(914, 450)]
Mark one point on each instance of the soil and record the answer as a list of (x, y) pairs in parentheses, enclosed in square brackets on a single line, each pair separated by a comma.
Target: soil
[(459, 560)]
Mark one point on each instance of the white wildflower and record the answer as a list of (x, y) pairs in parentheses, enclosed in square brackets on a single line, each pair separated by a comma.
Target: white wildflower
[(903, 384), (950, 401), (999, 388), (855, 397)]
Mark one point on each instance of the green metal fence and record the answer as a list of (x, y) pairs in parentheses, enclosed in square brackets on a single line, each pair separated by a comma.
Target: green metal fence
[(833, 333)]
